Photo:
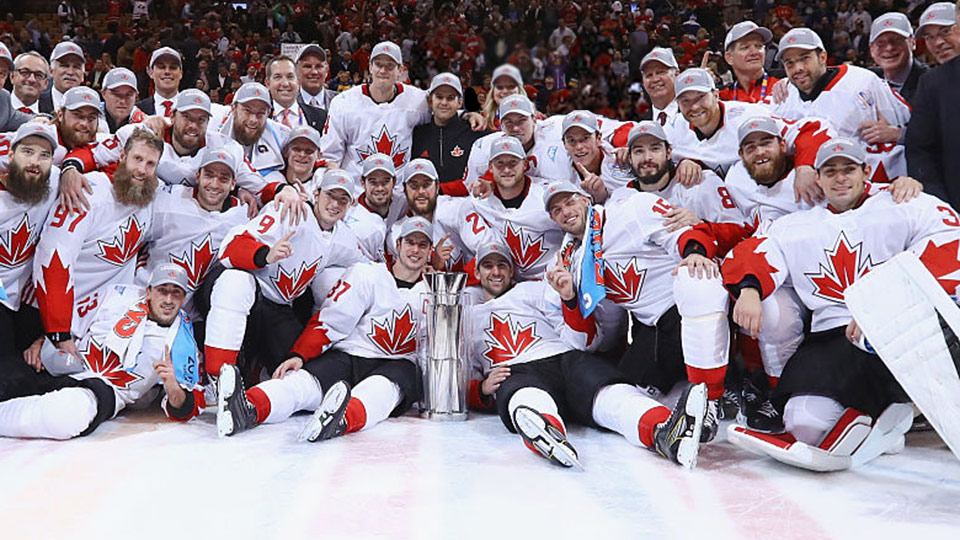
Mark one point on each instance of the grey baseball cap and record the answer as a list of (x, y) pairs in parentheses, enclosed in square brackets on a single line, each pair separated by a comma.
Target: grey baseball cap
[(662, 55), (192, 100), (81, 96), (939, 14), (303, 132), (493, 248), (507, 145), (558, 187), (893, 21), (510, 71), (581, 119), (337, 179), (743, 29), (117, 77), (5, 54), (694, 80), (757, 124), (446, 79), (253, 91), (420, 166), (378, 162), (36, 129), (312, 48), (165, 51), (646, 127), (387, 48), (799, 38), (217, 155), (66, 48), (840, 148), (516, 104), (416, 224), (169, 274)]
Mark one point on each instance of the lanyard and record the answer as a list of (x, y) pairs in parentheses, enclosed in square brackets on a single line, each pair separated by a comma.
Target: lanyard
[(763, 87)]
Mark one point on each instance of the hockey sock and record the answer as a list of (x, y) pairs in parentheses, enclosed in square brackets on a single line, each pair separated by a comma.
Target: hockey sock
[(712, 377), (372, 401), (61, 414), (750, 351), (623, 408), (810, 418), (277, 399), (356, 415)]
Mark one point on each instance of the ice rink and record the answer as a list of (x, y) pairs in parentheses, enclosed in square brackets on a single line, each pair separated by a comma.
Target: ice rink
[(141, 476)]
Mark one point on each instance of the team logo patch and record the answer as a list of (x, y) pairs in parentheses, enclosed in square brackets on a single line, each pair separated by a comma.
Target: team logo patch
[(456, 152), (16, 248), (395, 335), (507, 340), (106, 363), (864, 100), (526, 252), (123, 247), (386, 144), (845, 264), (196, 261), (623, 281), (293, 284)]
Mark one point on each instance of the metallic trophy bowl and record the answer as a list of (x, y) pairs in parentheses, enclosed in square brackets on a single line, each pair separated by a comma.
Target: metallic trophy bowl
[(443, 356)]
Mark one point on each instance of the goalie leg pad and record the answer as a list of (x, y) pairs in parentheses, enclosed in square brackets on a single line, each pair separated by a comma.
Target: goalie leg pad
[(809, 418)]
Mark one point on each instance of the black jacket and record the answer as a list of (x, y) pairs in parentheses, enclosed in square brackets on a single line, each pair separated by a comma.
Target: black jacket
[(933, 134), (45, 101), (315, 116), (147, 106), (447, 147), (917, 69)]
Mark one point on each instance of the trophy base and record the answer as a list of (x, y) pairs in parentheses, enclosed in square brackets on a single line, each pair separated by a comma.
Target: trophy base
[(444, 416)]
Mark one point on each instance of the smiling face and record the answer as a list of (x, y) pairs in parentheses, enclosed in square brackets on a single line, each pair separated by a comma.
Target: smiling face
[(165, 302), (804, 68), (520, 126), (283, 83), (78, 127), (414, 251), (67, 72), (384, 71), (28, 178), (378, 188), (658, 82), (166, 74), (942, 41), (746, 54), (650, 160), (494, 273), (507, 172), (312, 73), (301, 155), (582, 145), (701, 109), (843, 182), (214, 184), (504, 87), (421, 192), (249, 121), (892, 52), (30, 78), (189, 128), (764, 157), (569, 212), (444, 102), (330, 205)]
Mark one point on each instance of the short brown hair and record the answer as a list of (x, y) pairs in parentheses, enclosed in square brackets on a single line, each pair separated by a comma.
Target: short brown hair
[(145, 136), (280, 58)]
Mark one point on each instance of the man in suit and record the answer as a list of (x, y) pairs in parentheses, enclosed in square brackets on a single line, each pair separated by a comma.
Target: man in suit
[(891, 47), (67, 69), (166, 71), (285, 91), (30, 78), (312, 73)]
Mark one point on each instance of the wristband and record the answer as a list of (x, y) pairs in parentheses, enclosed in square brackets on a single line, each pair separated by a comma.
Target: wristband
[(59, 337)]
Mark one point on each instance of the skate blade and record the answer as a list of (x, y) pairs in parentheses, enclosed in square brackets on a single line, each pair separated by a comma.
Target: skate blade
[(226, 386), (696, 407), (535, 428), (323, 415)]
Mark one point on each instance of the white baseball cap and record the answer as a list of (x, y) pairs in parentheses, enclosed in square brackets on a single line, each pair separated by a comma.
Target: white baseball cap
[(493, 248), (169, 274), (217, 155), (303, 132), (5, 54), (81, 96), (387, 48), (662, 55), (36, 129), (165, 51), (312, 48), (939, 14), (509, 71), (757, 124), (420, 166), (337, 179), (446, 79), (507, 145), (799, 38), (66, 48), (694, 80), (743, 29), (558, 187), (840, 148), (416, 224), (378, 162), (646, 127), (894, 21), (118, 77), (581, 119), (192, 100), (516, 104), (253, 91)]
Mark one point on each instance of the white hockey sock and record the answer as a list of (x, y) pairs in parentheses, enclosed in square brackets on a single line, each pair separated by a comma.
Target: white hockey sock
[(538, 400), (619, 407), (61, 414), (379, 397), (296, 391), (810, 418)]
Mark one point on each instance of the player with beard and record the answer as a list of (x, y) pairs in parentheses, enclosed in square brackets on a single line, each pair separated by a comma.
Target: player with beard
[(82, 254), (533, 381), (356, 360), (28, 190), (378, 207), (261, 138), (139, 340)]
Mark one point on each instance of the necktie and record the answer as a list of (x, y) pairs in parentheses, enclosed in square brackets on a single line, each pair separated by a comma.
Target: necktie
[(25, 110), (662, 118), (167, 108), (286, 118)]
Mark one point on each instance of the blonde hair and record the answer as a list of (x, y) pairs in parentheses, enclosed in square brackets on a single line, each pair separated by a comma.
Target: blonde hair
[(490, 106)]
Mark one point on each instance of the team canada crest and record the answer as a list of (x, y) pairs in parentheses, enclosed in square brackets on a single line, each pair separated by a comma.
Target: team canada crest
[(395, 335), (526, 252), (623, 281), (383, 143), (457, 151), (106, 363), (507, 340), (123, 247), (845, 264), (196, 261), (15, 245), (292, 285)]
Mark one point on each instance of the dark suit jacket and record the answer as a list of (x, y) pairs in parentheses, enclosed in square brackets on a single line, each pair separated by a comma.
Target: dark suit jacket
[(933, 134), (45, 102), (315, 116), (10, 118), (147, 106), (917, 69)]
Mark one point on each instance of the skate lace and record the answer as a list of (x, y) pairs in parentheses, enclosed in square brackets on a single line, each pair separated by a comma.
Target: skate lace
[(766, 409)]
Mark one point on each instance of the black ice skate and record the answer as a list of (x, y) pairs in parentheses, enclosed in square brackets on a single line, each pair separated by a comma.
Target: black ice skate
[(542, 436), (234, 412), (711, 421), (756, 411), (678, 439), (330, 418)]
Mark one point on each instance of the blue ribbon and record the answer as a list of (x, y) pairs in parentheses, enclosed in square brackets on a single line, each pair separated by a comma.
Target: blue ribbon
[(592, 288), (183, 354)]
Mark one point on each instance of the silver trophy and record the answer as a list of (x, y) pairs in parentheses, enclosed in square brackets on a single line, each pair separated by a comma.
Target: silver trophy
[(444, 354)]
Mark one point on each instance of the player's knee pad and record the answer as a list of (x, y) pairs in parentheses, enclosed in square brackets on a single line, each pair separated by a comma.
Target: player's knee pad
[(379, 396), (781, 331), (810, 418), (61, 414), (230, 302), (699, 297), (704, 330), (535, 398)]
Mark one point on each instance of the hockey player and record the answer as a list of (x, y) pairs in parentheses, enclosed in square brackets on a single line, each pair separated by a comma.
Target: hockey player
[(28, 191), (119, 90), (854, 99), (832, 388), (531, 339), (139, 339), (80, 255), (378, 207), (301, 153), (268, 263), (355, 362), (261, 138), (594, 164)]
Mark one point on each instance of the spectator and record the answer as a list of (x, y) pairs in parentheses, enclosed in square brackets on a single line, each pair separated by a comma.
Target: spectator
[(939, 31), (166, 72), (29, 80), (891, 47), (558, 36)]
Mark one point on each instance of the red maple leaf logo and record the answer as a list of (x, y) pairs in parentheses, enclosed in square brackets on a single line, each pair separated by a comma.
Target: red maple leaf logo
[(844, 266), (384, 144), (107, 364), (526, 252), (943, 261), (623, 281), (509, 339), (293, 284), (15, 245), (123, 247), (395, 335), (197, 261)]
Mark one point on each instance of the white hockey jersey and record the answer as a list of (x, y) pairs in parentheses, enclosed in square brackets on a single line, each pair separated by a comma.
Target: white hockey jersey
[(759, 203), (313, 250), (719, 151), (820, 253), (709, 200), (370, 229), (266, 156), (367, 315), (854, 96), (447, 217), (20, 226), (79, 255), (358, 127)]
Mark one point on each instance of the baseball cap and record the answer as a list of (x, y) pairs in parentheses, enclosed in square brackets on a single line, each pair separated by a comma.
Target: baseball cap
[(840, 148), (694, 80), (799, 38), (66, 48), (415, 224), (581, 119), (420, 166), (378, 162), (81, 96), (337, 179), (492, 248), (891, 22), (446, 79), (645, 127), (217, 155), (165, 51), (757, 124), (5, 54), (508, 70), (312, 48), (939, 14), (253, 91), (516, 104), (118, 77), (744, 28), (169, 274), (556, 188), (388, 48), (303, 132), (507, 145), (36, 129), (192, 100), (662, 55)]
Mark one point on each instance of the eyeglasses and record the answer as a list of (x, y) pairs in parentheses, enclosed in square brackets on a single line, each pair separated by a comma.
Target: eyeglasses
[(26, 74)]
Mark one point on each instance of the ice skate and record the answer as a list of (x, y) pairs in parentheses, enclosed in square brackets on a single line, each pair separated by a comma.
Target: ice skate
[(544, 437), (678, 439), (711, 421), (329, 420), (234, 412), (756, 412)]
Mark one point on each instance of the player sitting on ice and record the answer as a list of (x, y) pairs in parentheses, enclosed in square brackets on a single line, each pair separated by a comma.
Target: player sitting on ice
[(139, 339), (364, 336), (840, 404), (531, 339)]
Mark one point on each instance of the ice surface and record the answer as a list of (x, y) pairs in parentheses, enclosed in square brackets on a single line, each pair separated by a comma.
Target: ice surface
[(141, 476)]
